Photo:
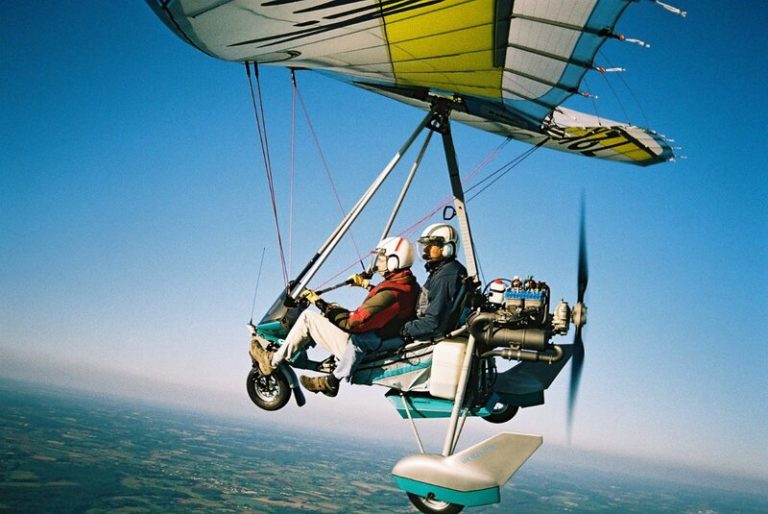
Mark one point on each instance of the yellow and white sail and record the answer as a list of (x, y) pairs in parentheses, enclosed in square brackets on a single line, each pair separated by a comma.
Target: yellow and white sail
[(509, 63)]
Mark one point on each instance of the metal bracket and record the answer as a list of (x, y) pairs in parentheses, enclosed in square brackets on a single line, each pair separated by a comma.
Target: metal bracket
[(441, 111)]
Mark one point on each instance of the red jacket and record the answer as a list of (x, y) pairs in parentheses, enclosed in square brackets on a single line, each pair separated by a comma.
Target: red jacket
[(385, 310)]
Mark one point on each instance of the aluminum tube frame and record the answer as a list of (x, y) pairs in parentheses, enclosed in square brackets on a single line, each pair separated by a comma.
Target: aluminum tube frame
[(458, 199), (330, 244), (406, 186), (452, 437), (413, 423)]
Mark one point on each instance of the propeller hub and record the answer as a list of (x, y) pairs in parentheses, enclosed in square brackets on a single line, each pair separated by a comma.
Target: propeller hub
[(579, 315)]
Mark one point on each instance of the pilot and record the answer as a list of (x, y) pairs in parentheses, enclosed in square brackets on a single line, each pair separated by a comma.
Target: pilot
[(439, 293), (374, 325)]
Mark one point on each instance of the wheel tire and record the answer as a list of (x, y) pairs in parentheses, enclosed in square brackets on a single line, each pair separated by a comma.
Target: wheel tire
[(268, 392), (429, 505), (502, 413)]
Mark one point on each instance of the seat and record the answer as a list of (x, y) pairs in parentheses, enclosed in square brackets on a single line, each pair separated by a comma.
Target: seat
[(459, 312)]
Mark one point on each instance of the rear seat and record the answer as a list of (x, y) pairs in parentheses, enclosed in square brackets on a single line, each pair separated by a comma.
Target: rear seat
[(459, 312)]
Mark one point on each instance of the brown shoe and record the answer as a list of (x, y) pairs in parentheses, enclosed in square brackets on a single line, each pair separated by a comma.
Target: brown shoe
[(260, 356), (327, 384)]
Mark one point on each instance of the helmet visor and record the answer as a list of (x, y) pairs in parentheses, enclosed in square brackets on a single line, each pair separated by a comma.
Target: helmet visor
[(431, 241), (378, 260)]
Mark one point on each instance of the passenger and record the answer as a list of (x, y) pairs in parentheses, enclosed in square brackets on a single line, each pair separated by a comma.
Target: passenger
[(439, 293), (436, 301), (379, 319)]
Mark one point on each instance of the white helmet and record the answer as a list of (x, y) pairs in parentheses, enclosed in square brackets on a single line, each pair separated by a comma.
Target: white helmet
[(442, 235), (392, 254)]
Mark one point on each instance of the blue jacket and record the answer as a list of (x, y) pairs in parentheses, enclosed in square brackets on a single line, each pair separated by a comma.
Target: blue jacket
[(436, 300)]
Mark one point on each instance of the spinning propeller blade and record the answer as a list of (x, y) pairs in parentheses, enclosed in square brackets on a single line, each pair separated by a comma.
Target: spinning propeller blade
[(578, 343), (583, 268)]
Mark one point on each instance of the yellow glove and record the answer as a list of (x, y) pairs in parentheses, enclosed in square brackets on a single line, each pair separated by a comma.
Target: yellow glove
[(309, 295), (358, 280)]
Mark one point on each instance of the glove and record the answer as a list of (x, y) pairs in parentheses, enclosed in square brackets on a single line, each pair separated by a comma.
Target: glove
[(310, 296), (358, 280), (405, 336)]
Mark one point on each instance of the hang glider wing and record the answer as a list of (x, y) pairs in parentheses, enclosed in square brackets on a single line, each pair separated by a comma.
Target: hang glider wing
[(511, 63)]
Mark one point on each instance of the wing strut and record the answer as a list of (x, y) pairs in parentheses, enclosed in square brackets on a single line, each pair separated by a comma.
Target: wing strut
[(406, 186), (440, 122), (437, 120), (328, 246)]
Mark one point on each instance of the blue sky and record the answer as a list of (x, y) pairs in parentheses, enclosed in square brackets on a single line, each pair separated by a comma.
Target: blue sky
[(133, 213)]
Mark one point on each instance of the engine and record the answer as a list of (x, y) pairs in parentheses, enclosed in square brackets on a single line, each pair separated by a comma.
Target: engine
[(515, 317), (521, 302)]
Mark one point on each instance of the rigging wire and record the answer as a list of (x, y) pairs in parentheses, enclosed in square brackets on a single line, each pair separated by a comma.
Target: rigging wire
[(343, 271), (292, 173), (258, 279), (506, 169), (446, 200), (613, 90), (592, 99), (262, 129), (631, 93), (325, 164), (408, 231)]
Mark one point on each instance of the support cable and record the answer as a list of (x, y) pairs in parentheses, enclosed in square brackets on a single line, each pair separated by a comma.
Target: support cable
[(292, 172), (594, 103), (258, 279), (408, 231), (262, 129), (325, 165), (504, 169), (631, 93), (330, 244), (616, 97), (448, 199)]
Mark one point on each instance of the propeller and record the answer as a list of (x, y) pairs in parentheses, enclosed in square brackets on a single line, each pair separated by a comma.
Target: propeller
[(579, 319)]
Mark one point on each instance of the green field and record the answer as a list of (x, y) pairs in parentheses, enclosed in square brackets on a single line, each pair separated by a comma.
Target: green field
[(67, 452)]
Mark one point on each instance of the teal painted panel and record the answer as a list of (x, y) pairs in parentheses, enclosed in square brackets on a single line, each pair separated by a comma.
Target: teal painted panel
[(272, 330), (466, 498), (387, 373), (429, 407)]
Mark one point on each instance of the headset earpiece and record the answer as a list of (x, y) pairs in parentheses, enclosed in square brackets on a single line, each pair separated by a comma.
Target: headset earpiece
[(393, 262), (448, 250)]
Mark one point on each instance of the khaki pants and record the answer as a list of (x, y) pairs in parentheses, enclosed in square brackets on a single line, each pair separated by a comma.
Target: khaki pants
[(312, 326)]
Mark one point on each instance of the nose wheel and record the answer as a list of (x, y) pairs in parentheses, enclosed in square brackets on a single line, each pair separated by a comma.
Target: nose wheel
[(270, 392), (431, 505)]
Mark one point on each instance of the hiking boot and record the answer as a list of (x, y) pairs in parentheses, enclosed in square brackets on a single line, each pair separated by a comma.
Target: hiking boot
[(327, 384), (261, 356)]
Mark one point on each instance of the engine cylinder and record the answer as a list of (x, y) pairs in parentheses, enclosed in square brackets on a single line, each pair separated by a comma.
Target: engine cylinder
[(484, 331), (528, 338)]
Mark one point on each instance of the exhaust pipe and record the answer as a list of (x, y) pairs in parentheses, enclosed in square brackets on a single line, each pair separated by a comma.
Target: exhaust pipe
[(524, 344), (527, 355)]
